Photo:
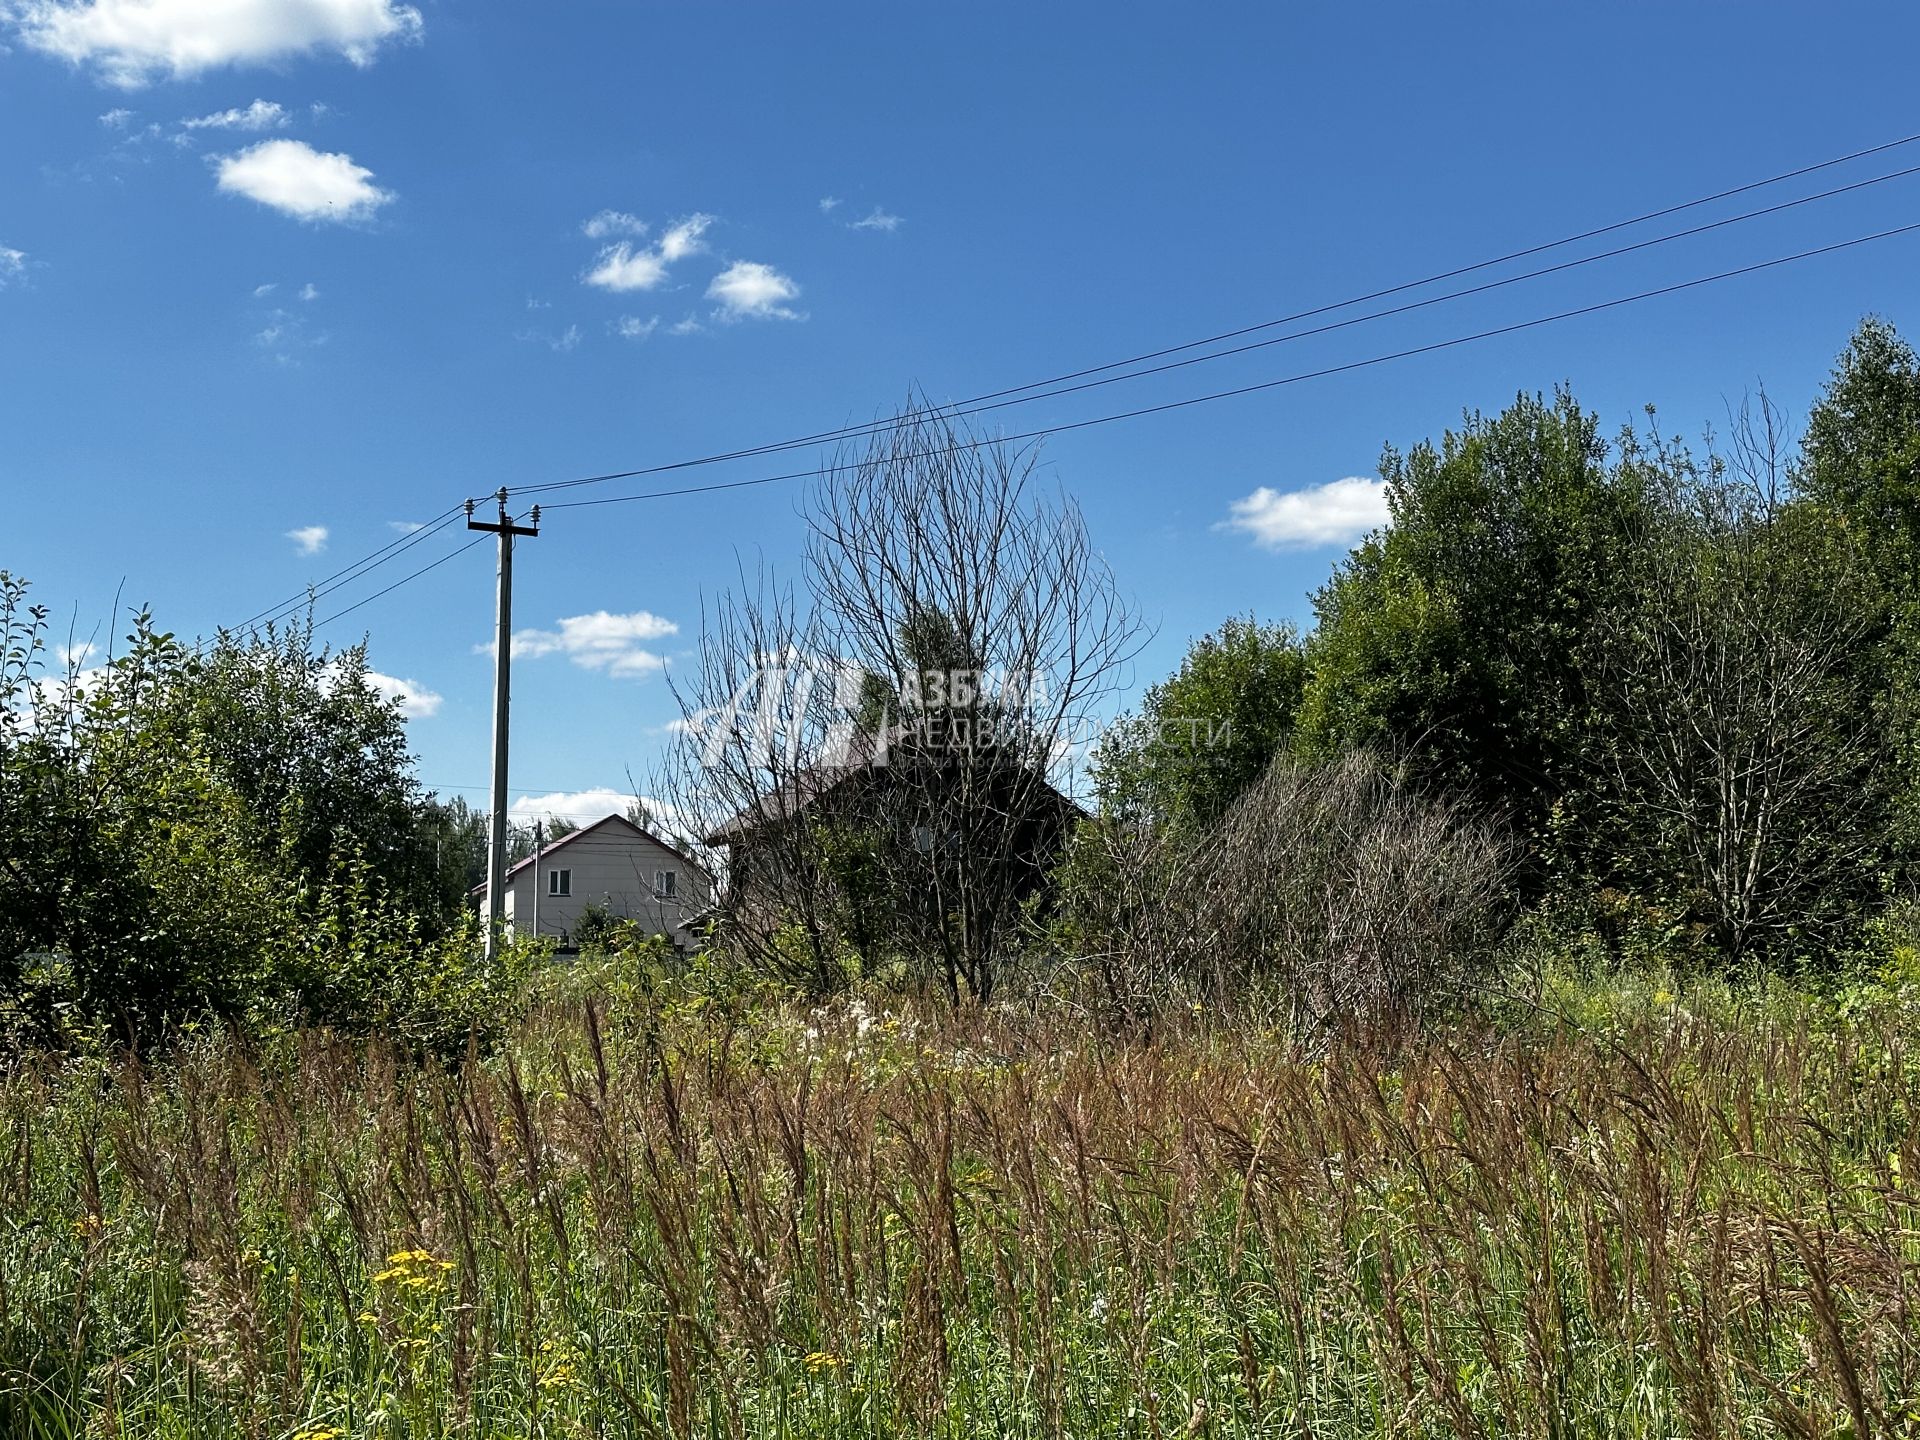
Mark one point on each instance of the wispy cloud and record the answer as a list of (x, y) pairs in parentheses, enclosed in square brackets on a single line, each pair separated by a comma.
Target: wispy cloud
[(632, 327), (130, 42), (615, 644), (1339, 512), (829, 203), (292, 177), (748, 290), (623, 266), (404, 527), (13, 264), (260, 115), (117, 119), (309, 291), (609, 223), (879, 220), (309, 539)]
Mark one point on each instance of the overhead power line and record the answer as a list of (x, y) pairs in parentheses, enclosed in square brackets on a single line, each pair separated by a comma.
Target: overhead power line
[(855, 431), (403, 580), (1284, 380), (996, 399), (348, 573), (965, 408)]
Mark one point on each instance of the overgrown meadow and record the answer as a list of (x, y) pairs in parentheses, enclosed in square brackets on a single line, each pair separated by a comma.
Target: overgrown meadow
[(1621, 1210)]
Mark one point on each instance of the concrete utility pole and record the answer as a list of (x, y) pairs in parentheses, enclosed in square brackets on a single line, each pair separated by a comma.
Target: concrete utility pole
[(502, 689)]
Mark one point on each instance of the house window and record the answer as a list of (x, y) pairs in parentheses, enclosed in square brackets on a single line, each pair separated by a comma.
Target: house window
[(664, 882), (560, 882)]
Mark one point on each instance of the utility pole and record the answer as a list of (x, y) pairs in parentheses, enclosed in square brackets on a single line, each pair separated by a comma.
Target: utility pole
[(537, 839), (502, 689)]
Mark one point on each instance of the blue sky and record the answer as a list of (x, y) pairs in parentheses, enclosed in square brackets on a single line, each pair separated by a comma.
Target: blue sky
[(271, 268)]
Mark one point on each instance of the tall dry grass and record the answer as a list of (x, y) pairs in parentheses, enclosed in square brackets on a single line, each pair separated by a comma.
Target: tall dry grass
[(655, 1221)]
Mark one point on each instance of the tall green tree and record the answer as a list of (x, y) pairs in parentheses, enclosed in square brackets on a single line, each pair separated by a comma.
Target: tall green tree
[(1454, 638), (1860, 460)]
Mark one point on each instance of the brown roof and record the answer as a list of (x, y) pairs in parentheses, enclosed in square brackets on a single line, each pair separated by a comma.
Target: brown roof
[(803, 787), (866, 751)]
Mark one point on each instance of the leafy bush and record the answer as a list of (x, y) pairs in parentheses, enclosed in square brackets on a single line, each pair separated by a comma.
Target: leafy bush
[(220, 838)]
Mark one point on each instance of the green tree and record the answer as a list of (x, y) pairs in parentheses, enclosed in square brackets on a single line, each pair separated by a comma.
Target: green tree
[(129, 891), (1455, 637), (1860, 460), (1207, 732), (232, 835), (317, 756)]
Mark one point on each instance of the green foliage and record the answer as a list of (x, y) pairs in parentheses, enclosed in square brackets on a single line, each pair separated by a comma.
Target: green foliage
[(1457, 634), (664, 1214), (1207, 732), (1861, 463), (228, 838)]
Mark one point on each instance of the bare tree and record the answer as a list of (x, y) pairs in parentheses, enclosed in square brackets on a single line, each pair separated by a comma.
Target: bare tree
[(756, 730), (896, 783), (1743, 744)]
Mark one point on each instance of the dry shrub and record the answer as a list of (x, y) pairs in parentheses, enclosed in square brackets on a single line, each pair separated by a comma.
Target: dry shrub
[(1348, 888)]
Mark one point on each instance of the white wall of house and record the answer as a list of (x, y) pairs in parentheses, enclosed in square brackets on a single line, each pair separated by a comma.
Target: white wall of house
[(615, 868)]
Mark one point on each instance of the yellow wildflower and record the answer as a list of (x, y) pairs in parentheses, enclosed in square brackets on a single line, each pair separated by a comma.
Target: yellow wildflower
[(819, 1360)]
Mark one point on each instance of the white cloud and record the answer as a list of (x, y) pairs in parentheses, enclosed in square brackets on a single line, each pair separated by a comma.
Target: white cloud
[(260, 115), (632, 327), (295, 179), (689, 326), (566, 340), (309, 539), (879, 220), (116, 119), (582, 807), (13, 264), (72, 657), (260, 292), (285, 334), (612, 222), (748, 290), (416, 701), (1339, 512), (600, 641), (309, 291), (404, 527), (827, 204), (133, 41), (683, 238), (623, 267)]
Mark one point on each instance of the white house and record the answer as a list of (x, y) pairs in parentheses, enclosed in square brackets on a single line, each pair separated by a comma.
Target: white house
[(612, 864)]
